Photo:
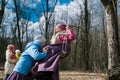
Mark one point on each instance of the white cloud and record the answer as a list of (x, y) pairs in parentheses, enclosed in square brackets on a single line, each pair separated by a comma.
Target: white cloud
[(64, 13), (39, 0)]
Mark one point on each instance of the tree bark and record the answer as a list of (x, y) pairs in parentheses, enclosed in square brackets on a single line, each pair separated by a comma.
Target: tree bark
[(113, 39), (86, 35), (112, 32), (47, 19), (18, 27), (2, 11)]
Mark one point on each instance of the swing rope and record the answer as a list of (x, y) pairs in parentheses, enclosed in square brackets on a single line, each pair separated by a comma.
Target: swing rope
[(64, 46)]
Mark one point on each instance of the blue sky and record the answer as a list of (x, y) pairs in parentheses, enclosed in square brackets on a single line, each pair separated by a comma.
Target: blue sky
[(32, 10)]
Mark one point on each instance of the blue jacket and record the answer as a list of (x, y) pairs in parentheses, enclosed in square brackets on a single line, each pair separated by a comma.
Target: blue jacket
[(28, 57)]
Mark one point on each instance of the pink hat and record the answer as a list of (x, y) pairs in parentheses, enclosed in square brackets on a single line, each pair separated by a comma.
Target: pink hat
[(61, 26), (11, 47), (18, 51)]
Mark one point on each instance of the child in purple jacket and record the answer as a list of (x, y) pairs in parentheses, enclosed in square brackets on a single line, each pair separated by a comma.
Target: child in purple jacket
[(48, 69), (63, 34)]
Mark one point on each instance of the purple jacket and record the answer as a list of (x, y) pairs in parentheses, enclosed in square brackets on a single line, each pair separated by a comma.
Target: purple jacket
[(51, 63)]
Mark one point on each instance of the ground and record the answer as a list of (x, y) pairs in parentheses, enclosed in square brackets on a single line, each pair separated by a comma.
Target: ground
[(74, 75)]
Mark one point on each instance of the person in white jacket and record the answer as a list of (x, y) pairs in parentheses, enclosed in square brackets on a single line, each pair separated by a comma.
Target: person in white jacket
[(10, 62)]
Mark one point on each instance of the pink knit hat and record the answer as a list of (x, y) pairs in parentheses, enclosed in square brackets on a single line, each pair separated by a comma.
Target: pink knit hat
[(61, 26), (18, 51), (11, 47)]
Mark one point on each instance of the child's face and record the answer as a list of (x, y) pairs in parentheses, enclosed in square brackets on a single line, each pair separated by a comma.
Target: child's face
[(11, 49), (58, 30), (18, 53)]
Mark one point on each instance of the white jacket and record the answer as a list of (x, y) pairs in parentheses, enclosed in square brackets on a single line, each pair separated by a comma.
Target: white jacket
[(10, 63)]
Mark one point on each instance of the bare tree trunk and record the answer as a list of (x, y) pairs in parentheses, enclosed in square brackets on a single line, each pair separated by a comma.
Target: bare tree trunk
[(86, 36), (2, 11), (47, 19), (113, 38), (112, 32), (76, 46), (18, 27), (26, 30), (3, 41), (46, 23)]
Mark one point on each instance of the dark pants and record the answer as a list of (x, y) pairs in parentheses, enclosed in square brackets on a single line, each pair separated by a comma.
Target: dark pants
[(45, 76), (18, 76)]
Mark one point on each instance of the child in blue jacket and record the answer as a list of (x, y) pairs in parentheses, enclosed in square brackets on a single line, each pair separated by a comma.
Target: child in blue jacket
[(32, 52)]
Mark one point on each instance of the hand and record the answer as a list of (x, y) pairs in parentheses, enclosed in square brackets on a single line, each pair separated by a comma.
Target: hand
[(63, 55), (67, 27), (45, 49)]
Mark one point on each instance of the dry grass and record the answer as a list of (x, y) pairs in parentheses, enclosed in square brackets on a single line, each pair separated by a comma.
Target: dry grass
[(2, 75), (68, 75), (74, 75)]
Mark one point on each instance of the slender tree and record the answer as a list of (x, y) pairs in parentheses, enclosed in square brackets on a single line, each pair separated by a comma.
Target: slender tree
[(2, 11), (47, 18), (86, 35), (112, 35), (18, 26), (112, 31)]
